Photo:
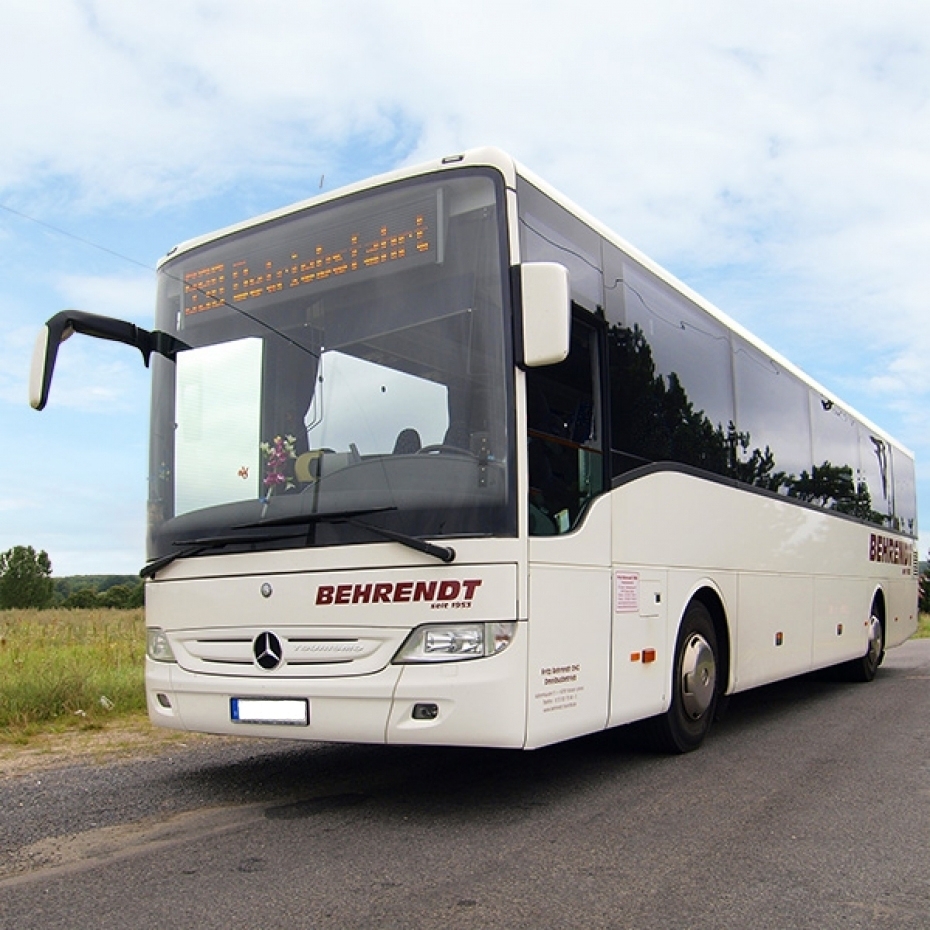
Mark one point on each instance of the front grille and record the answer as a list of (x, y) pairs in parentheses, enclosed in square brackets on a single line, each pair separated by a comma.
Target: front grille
[(305, 653)]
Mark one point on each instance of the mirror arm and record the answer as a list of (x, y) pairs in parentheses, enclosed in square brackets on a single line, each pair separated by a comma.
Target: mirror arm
[(64, 324)]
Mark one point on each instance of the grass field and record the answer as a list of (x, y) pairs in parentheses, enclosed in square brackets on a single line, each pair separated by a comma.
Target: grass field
[(69, 669), (64, 670)]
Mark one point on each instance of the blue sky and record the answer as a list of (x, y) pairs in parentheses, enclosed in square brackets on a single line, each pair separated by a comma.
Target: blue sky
[(773, 155)]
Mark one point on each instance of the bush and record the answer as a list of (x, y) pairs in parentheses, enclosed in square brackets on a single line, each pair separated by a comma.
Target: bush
[(82, 599)]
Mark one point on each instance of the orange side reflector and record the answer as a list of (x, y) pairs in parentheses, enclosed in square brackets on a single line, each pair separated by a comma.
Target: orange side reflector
[(634, 657), (649, 655)]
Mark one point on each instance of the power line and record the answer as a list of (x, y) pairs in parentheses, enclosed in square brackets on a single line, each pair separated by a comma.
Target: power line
[(75, 237)]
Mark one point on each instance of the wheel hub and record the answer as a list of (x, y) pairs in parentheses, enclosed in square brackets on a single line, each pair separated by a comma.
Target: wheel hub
[(698, 676)]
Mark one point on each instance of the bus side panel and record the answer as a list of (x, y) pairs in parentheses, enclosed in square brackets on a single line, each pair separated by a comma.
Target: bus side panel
[(805, 577), (639, 661), (569, 608), (775, 627), (901, 608), (840, 619), (569, 657)]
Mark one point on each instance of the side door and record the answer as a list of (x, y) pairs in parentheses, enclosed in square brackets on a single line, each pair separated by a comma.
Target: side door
[(569, 608)]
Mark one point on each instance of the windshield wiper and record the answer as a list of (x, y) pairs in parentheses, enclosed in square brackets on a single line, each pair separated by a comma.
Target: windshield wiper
[(197, 546), (443, 553)]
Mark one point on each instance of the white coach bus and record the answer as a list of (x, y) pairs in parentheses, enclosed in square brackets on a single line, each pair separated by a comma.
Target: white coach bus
[(439, 459)]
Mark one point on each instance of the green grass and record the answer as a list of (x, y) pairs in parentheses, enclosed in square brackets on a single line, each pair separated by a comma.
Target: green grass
[(923, 627), (69, 669)]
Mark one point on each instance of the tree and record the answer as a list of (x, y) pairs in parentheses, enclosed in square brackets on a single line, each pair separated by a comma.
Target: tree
[(25, 578)]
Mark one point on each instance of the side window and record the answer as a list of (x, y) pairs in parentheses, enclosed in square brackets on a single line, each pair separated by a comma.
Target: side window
[(834, 481), (905, 494), (549, 233), (566, 445), (875, 476), (670, 373), (773, 420)]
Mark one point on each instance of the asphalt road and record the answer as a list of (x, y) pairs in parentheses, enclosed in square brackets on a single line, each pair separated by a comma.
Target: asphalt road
[(808, 807)]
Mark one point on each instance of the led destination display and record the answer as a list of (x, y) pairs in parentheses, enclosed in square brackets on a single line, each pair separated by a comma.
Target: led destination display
[(308, 255)]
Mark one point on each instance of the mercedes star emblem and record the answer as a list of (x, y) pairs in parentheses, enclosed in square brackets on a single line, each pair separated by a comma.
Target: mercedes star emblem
[(268, 650)]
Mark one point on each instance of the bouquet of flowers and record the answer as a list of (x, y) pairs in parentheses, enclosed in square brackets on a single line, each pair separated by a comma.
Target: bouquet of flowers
[(279, 455)]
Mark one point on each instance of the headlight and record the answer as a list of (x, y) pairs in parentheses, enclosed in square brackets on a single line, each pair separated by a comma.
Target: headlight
[(157, 646), (455, 642)]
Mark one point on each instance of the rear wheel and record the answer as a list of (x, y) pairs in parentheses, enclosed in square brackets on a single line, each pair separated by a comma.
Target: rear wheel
[(695, 687)]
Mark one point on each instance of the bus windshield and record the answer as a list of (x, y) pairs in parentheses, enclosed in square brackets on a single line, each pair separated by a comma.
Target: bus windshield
[(344, 359)]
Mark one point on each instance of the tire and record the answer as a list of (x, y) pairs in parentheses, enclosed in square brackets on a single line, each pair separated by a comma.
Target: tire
[(864, 668), (695, 686)]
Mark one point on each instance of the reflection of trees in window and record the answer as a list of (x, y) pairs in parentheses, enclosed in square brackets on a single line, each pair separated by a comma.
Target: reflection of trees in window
[(652, 420), (832, 487)]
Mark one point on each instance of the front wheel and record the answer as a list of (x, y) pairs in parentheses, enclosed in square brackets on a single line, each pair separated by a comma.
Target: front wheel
[(695, 686), (864, 668)]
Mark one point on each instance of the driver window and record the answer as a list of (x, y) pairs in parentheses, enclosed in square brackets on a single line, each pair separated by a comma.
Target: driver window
[(564, 435)]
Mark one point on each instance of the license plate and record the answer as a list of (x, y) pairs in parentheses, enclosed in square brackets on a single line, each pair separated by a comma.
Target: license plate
[(288, 711)]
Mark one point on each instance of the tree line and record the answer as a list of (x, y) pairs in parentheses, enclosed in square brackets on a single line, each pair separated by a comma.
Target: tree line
[(26, 582)]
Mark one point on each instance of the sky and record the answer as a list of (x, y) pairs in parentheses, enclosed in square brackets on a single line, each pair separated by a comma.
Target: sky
[(775, 156)]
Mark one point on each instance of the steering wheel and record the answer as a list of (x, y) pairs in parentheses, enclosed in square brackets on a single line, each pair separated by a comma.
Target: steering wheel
[(442, 448)]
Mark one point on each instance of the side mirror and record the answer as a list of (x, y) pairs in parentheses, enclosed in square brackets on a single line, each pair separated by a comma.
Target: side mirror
[(545, 312), (64, 324)]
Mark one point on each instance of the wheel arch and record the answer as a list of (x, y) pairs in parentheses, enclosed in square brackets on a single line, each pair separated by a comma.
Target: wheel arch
[(878, 605), (879, 609), (711, 598)]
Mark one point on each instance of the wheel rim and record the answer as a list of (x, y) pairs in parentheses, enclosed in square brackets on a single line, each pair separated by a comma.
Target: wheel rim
[(876, 641), (698, 676)]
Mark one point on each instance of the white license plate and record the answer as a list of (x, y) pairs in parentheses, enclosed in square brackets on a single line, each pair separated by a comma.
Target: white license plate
[(290, 711)]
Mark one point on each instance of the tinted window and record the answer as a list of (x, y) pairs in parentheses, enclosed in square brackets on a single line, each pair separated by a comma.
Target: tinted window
[(833, 481), (685, 389), (689, 347), (905, 494), (670, 373), (549, 233), (772, 418), (875, 476)]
